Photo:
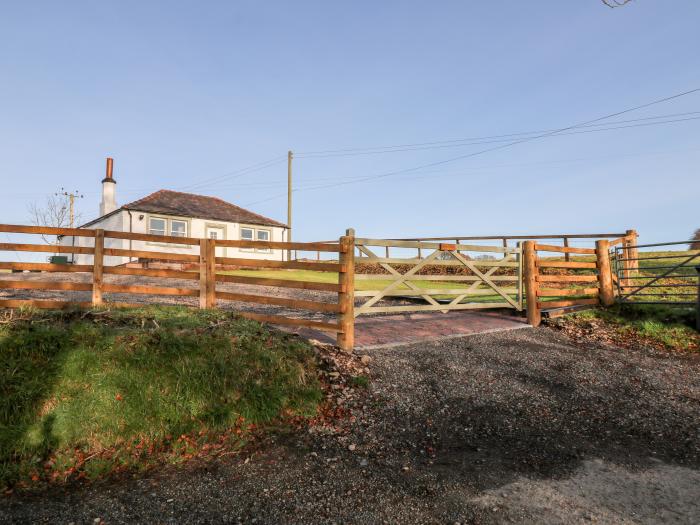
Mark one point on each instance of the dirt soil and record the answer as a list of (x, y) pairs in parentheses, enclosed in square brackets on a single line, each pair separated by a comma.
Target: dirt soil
[(512, 427)]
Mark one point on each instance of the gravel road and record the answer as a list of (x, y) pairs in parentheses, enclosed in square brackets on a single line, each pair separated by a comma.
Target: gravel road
[(512, 427)]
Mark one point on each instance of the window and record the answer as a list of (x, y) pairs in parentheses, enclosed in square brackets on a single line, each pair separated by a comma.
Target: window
[(264, 235), (253, 234), (247, 234), (156, 226), (178, 228), (212, 234), (166, 226)]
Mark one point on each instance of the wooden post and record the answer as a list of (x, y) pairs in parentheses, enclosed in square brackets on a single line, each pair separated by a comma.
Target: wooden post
[(534, 316), (519, 245), (346, 298), (211, 273), (203, 270), (626, 262), (505, 245), (290, 156), (98, 263), (605, 282), (697, 312), (632, 235), (567, 256)]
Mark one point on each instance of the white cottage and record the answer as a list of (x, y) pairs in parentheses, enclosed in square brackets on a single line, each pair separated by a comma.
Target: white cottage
[(167, 212)]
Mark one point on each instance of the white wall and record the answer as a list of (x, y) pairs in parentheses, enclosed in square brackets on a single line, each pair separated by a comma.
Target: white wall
[(197, 228)]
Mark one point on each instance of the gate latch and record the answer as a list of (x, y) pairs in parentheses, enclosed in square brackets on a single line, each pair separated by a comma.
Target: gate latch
[(448, 247)]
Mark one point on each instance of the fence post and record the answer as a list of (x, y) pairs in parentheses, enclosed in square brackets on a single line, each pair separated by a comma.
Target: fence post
[(534, 316), (697, 312), (346, 297), (624, 265), (633, 251), (211, 273), (605, 282), (203, 271), (97, 265), (567, 255)]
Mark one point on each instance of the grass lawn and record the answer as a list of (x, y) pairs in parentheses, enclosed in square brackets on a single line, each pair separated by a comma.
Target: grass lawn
[(81, 395)]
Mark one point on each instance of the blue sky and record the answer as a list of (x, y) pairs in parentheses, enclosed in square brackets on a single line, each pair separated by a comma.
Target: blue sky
[(185, 94)]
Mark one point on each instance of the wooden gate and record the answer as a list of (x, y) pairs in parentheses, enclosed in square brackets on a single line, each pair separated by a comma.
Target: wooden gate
[(441, 277)]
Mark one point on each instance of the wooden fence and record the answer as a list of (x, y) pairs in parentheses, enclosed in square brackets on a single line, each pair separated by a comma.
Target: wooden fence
[(577, 277), (557, 282), (205, 279)]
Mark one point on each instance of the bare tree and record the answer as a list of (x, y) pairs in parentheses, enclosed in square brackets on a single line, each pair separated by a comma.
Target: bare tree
[(695, 245), (615, 3), (54, 212)]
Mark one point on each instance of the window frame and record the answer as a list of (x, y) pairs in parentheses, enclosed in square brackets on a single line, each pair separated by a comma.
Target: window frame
[(252, 237), (168, 230), (187, 227), (165, 225), (269, 238), (255, 230)]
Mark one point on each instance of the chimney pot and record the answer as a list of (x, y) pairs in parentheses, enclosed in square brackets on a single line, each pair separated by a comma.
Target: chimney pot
[(109, 199)]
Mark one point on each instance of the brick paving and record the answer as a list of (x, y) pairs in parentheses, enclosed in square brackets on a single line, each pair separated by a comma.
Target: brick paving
[(403, 329)]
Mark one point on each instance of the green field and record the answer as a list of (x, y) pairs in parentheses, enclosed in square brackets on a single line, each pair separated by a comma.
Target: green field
[(82, 395)]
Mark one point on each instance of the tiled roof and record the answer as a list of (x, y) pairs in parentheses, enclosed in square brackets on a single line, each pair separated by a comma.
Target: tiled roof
[(170, 202)]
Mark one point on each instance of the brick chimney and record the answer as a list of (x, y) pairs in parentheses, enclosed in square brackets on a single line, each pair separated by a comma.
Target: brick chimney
[(109, 196)]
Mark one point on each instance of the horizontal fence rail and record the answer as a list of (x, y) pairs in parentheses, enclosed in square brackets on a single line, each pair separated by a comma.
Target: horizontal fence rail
[(204, 269), (506, 240)]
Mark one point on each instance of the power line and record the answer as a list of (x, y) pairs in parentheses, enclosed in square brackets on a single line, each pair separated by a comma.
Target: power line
[(456, 143), (495, 148), (237, 173), (352, 180)]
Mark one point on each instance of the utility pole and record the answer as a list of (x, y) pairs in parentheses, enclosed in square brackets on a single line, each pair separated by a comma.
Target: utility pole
[(290, 156), (71, 200)]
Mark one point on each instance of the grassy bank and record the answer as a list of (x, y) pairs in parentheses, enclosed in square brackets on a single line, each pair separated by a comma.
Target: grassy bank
[(81, 394), (659, 326)]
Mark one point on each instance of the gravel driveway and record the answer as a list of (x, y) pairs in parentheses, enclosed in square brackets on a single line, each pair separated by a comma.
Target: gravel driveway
[(511, 427)]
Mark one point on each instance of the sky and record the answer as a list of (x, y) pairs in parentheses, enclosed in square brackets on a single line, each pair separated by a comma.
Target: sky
[(208, 97)]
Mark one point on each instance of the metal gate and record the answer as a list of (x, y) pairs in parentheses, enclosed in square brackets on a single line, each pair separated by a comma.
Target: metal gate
[(662, 273), (441, 277)]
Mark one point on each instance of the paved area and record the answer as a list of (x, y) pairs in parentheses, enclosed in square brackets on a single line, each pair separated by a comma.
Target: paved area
[(400, 330), (403, 329), (520, 426)]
